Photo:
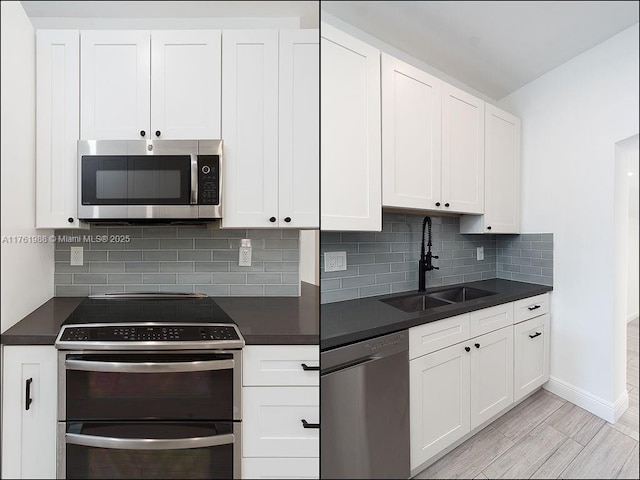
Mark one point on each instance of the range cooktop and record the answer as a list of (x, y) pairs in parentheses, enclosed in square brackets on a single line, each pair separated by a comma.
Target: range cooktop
[(149, 321)]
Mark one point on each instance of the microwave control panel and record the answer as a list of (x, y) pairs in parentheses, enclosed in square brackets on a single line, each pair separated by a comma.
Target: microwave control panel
[(208, 179)]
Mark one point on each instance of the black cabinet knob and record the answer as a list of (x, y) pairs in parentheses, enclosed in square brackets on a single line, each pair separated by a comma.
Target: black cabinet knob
[(142, 133), (446, 204), (287, 219), (437, 204), (157, 133), (489, 227), (477, 345), (272, 219), (70, 219), (467, 349)]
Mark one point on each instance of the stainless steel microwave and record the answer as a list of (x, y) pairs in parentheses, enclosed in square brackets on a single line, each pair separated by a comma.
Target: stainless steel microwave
[(132, 180)]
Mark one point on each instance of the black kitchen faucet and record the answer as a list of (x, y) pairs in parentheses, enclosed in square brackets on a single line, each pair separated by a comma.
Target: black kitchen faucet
[(424, 264)]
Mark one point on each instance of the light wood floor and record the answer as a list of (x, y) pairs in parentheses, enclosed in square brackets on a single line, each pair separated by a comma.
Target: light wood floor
[(548, 437)]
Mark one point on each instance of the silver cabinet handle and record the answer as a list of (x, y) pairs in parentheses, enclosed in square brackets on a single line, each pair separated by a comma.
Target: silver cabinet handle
[(121, 367), (148, 443)]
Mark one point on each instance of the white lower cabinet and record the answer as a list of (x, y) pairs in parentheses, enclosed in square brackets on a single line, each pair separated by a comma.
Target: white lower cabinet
[(531, 355), (280, 412), (29, 394), (465, 370), (439, 401)]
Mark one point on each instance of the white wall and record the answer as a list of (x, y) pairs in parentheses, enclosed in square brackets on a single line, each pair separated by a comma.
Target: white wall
[(572, 118), (633, 289), (26, 269)]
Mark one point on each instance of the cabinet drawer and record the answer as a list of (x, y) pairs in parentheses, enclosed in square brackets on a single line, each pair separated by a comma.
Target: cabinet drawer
[(531, 354), (433, 336), (280, 468), (490, 319), (280, 365), (530, 307), (272, 421)]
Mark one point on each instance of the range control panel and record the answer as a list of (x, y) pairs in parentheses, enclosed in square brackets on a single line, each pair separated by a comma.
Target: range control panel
[(149, 333)]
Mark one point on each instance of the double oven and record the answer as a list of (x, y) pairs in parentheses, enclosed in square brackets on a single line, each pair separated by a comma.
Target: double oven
[(158, 398)]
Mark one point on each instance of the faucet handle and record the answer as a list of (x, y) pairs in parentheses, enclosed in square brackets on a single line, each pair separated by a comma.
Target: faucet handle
[(436, 268), (434, 256)]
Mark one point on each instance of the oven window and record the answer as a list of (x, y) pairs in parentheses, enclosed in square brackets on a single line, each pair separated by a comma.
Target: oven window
[(120, 395)]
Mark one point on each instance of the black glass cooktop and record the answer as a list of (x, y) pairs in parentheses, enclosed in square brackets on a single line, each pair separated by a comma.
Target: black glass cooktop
[(156, 310)]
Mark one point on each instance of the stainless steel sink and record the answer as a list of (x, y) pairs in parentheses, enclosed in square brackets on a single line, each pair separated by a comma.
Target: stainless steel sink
[(460, 294), (416, 303), (424, 301)]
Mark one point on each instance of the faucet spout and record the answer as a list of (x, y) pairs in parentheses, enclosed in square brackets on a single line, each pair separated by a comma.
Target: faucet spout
[(425, 262)]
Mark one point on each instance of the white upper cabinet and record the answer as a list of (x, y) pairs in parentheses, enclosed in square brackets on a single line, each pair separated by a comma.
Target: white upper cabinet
[(411, 136), (57, 127), (185, 84), (462, 151), (250, 127), (154, 85), (299, 127), (115, 86), (432, 142), (502, 176), (350, 163)]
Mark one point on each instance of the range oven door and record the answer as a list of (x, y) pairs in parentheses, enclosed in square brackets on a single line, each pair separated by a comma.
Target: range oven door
[(150, 386), (149, 450)]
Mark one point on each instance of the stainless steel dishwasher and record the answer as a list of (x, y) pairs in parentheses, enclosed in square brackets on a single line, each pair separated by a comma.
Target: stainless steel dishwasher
[(365, 409)]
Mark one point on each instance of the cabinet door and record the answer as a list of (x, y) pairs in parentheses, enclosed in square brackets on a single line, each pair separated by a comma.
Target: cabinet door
[(29, 433), (462, 151), (280, 365), (491, 374), (531, 355), (411, 136), (299, 132), (502, 206), (250, 127), (57, 128), (350, 133), (185, 84), (272, 421), (439, 401), (280, 468), (115, 84)]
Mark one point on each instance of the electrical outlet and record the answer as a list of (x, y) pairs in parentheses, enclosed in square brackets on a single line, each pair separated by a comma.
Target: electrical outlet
[(244, 255), (480, 253), (335, 261), (76, 256)]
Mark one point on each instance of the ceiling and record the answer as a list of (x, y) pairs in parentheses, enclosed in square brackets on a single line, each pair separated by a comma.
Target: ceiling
[(494, 47), (307, 11)]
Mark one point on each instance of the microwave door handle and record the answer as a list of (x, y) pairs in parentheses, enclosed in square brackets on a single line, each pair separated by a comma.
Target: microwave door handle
[(148, 443), (168, 367), (194, 179)]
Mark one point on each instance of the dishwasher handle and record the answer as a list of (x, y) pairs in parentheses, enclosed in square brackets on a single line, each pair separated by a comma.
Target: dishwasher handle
[(351, 364)]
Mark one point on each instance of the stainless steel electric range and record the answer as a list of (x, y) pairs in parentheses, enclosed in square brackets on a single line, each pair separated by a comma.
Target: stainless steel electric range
[(149, 387)]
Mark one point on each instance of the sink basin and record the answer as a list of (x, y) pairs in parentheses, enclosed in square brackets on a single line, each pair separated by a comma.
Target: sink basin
[(416, 303), (460, 294), (425, 301)]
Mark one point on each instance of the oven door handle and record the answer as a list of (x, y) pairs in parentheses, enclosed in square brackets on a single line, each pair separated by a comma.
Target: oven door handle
[(168, 367), (148, 443)]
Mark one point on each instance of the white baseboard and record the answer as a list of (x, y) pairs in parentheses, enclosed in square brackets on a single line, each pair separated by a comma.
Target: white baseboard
[(609, 411), (632, 317)]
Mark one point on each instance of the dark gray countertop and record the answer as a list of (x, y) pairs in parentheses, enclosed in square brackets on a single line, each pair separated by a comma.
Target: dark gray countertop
[(262, 320), (356, 320)]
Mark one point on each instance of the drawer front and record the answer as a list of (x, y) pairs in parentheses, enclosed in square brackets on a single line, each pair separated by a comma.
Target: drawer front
[(530, 307), (436, 335), (272, 421), (280, 468), (280, 365), (490, 319), (531, 355)]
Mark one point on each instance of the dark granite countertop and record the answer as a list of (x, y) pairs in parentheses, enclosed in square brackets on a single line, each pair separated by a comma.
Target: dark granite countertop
[(356, 320), (262, 320)]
